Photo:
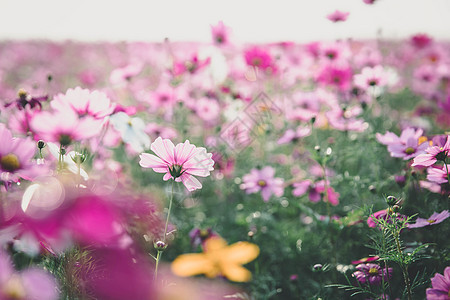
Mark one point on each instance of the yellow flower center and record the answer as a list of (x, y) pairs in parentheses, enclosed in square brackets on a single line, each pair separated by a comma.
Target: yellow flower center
[(262, 183), (373, 271), (13, 289), (10, 162), (410, 150), (431, 221)]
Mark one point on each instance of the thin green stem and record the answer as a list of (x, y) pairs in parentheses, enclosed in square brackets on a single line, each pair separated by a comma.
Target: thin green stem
[(446, 169), (168, 214), (158, 258), (160, 251), (400, 252)]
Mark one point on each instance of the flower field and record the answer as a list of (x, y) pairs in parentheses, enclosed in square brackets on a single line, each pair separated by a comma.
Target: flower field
[(225, 171)]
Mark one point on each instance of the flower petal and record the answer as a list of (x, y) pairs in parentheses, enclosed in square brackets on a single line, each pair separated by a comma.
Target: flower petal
[(190, 182), (191, 264), (241, 253), (164, 148)]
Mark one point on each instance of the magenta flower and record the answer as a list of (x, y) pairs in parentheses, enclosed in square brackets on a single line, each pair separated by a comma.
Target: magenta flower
[(220, 34), (440, 289), (26, 99), (263, 181), (421, 40), (315, 191), (371, 273), (337, 76), (434, 219), (64, 126), (294, 135), (181, 162), (28, 284), (438, 174), (338, 16), (258, 57), (432, 155), (365, 260), (382, 214), (84, 102), (15, 157)]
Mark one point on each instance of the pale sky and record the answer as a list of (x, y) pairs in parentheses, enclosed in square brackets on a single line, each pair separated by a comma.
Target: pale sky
[(190, 20)]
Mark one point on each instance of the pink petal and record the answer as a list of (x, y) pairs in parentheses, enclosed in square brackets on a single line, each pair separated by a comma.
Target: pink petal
[(152, 161), (190, 182), (164, 148), (183, 151)]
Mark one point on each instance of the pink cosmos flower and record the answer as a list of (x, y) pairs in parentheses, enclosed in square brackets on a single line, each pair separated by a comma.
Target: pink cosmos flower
[(190, 65), (338, 16), (258, 57), (371, 77), (315, 191), (294, 135), (438, 174), (440, 289), (123, 75), (365, 260), (381, 214), (28, 284), (64, 126), (15, 157), (181, 162), (371, 273), (421, 40), (263, 181), (84, 102), (220, 34), (337, 76), (434, 219), (432, 155), (207, 109), (406, 146)]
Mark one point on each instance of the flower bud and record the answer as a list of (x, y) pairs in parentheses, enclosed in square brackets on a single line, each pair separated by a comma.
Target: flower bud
[(160, 245), (41, 144), (391, 201), (317, 267)]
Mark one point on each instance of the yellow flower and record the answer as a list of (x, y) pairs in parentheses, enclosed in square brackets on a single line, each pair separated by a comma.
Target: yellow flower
[(218, 259)]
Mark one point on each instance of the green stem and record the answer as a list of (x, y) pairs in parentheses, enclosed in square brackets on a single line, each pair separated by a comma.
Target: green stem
[(400, 252), (446, 169), (160, 252), (158, 258), (168, 214)]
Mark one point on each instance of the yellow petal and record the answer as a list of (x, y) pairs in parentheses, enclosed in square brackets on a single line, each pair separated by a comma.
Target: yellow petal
[(215, 243), (192, 264), (240, 253), (235, 272)]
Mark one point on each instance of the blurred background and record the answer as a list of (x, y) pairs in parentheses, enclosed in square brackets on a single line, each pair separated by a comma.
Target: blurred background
[(251, 20)]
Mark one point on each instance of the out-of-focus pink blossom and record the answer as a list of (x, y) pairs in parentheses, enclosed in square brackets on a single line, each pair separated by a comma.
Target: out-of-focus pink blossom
[(434, 219), (16, 157), (64, 126), (263, 181), (28, 284), (220, 34), (338, 16), (438, 174), (258, 57), (207, 109), (84, 102)]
